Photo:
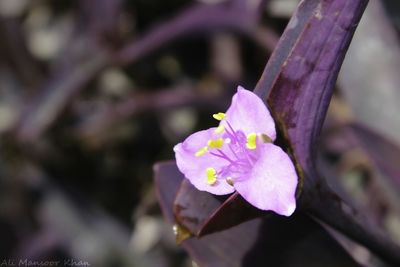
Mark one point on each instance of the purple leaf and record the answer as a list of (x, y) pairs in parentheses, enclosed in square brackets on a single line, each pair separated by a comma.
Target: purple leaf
[(299, 80), (167, 180), (204, 213), (235, 209), (300, 77), (277, 242), (299, 99), (193, 207), (301, 74)]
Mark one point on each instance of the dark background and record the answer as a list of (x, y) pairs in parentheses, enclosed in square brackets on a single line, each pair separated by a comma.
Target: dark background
[(85, 112)]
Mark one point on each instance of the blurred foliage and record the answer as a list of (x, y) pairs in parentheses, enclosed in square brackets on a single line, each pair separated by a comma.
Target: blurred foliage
[(81, 128)]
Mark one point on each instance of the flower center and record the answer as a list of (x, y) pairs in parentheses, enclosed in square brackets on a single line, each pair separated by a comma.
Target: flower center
[(235, 148)]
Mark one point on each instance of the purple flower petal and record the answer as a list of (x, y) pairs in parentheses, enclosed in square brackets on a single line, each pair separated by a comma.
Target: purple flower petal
[(272, 182), (194, 167), (249, 112), (220, 160)]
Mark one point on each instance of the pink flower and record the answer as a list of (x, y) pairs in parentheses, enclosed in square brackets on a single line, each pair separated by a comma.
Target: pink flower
[(240, 155)]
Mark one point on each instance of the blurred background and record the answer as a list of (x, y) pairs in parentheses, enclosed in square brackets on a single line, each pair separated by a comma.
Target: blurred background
[(93, 93)]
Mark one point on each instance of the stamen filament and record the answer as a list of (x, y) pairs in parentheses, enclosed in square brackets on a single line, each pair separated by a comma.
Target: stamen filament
[(232, 133), (240, 158), (246, 152), (222, 157), (222, 153), (233, 152)]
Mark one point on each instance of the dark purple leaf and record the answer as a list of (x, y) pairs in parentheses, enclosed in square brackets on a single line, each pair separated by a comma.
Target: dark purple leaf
[(235, 209), (167, 180), (301, 74), (299, 80), (201, 213), (193, 207), (300, 77), (299, 99), (273, 242)]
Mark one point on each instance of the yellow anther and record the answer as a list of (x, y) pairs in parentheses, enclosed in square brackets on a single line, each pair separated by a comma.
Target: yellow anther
[(219, 116), (217, 143), (211, 176), (251, 141), (201, 151), (220, 129)]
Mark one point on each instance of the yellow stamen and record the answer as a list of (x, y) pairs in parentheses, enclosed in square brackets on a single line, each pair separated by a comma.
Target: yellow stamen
[(251, 141), (217, 143), (201, 151), (220, 129), (265, 138), (219, 116), (211, 176)]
